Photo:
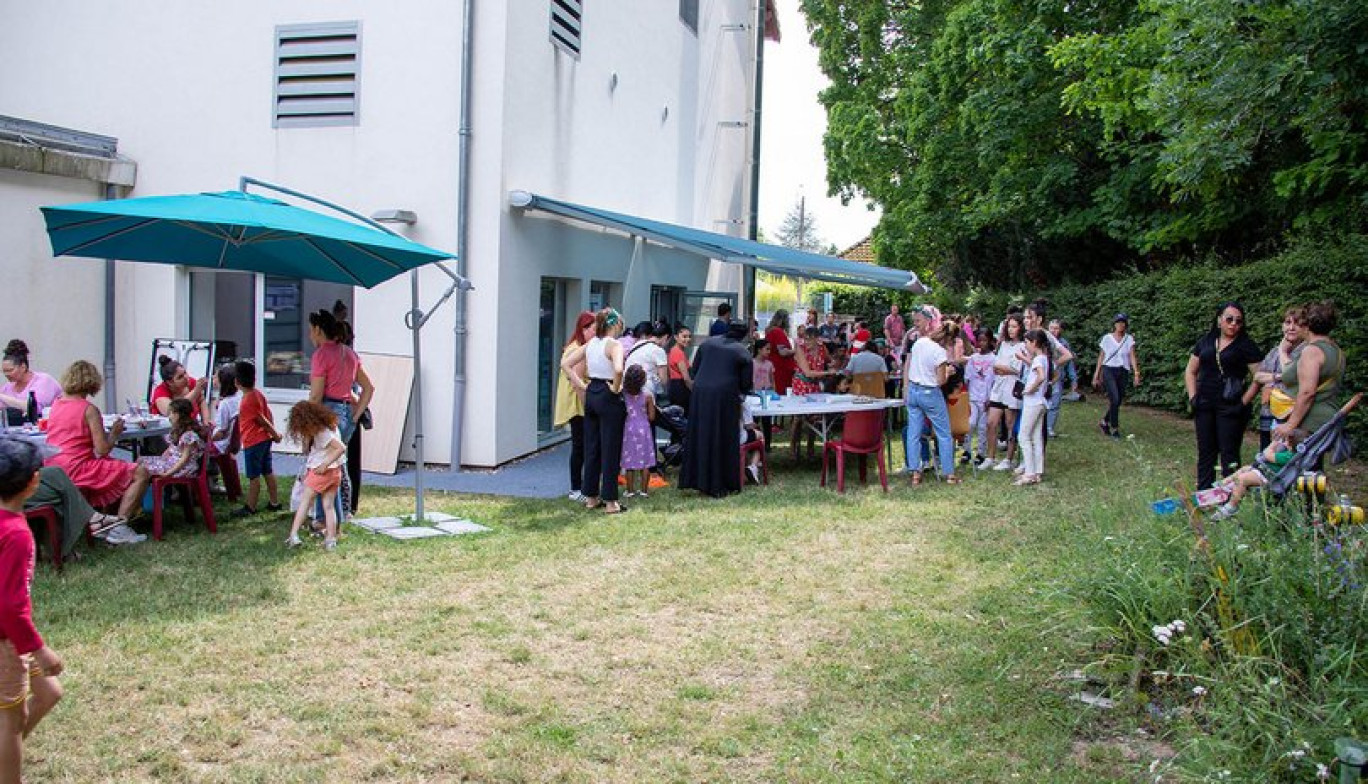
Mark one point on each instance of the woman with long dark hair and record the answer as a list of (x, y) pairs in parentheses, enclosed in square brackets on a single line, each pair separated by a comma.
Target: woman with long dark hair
[(570, 400), (1219, 388), (604, 412)]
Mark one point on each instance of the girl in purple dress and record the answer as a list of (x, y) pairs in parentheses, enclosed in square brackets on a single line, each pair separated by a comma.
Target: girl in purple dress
[(638, 437)]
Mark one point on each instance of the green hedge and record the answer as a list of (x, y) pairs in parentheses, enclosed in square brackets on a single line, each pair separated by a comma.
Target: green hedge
[(1171, 308)]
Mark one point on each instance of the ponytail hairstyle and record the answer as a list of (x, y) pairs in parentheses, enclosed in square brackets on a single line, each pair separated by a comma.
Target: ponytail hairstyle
[(17, 352), (634, 380), (167, 367), (327, 323), (1040, 339), (605, 320)]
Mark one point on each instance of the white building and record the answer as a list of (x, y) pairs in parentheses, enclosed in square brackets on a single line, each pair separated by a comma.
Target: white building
[(647, 111)]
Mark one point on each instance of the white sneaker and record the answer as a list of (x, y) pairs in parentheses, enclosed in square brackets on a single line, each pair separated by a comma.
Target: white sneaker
[(1003, 465), (122, 534), (576, 496), (754, 471), (293, 541), (330, 544)]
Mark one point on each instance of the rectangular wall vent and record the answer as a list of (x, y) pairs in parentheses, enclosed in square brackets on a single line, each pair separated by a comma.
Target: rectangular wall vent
[(565, 25), (317, 75)]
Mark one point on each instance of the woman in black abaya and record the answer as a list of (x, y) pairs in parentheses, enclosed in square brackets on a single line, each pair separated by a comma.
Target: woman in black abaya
[(722, 373)]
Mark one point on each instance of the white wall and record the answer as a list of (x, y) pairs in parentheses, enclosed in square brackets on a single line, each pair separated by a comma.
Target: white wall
[(56, 306)]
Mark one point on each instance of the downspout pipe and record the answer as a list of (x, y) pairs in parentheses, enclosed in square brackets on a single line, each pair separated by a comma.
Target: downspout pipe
[(458, 378), (753, 224), (111, 192)]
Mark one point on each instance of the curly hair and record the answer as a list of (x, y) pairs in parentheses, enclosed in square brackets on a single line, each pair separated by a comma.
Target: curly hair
[(634, 380), (81, 379), (185, 418), (308, 419), (17, 351)]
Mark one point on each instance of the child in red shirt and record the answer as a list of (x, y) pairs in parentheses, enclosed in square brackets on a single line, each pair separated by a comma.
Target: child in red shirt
[(28, 668), (256, 428)]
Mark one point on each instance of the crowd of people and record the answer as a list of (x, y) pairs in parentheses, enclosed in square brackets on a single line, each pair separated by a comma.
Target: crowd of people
[(1015, 378), (95, 491)]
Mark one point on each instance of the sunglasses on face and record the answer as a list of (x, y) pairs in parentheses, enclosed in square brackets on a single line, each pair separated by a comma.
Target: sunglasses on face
[(1232, 319)]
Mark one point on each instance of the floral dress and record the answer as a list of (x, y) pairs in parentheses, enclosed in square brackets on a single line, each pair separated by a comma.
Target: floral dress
[(638, 442), (817, 359), (161, 465)]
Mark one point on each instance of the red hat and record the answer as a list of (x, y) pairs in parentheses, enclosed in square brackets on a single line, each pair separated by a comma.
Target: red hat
[(860, 339)]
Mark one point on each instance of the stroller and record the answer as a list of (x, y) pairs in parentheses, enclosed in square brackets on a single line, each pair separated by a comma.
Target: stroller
[(673, 420), (1329, 440)]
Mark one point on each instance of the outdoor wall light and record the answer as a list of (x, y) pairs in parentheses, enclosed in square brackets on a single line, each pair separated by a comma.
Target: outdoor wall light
[(612, 82), (732, 124), (406, 217), (519, 198)]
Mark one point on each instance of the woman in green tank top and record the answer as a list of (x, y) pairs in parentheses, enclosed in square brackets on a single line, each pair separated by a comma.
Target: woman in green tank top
[(1313, 377)]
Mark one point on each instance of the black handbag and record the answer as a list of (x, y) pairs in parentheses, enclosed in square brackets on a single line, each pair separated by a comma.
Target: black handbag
[(1019, 389)]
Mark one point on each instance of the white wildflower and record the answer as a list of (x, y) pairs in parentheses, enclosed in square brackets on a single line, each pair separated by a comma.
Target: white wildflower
[(1322, 772), (1296, 754), (1178, 626), (1199, 690)]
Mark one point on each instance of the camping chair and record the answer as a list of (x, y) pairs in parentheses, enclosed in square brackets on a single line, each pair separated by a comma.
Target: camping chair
[(1329, 439), (227, 461), (863, 435), (198, 485)]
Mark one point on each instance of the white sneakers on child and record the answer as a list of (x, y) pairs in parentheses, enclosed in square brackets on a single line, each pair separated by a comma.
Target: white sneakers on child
[(293, 541), (1003, 465)]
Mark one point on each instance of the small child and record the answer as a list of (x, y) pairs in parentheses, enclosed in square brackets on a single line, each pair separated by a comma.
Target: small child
[(28, 668), (979, 376), (763, 375), (750, 433), (1033, 402), (314, 428), (638, 437), (226, 408), (184, 445), (257, 431), (1265, 467)]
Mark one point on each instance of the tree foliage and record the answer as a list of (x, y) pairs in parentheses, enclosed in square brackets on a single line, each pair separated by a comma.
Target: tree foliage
[(1020, 142)]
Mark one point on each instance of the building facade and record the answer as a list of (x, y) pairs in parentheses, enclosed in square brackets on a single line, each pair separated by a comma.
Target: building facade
[(637, 107)]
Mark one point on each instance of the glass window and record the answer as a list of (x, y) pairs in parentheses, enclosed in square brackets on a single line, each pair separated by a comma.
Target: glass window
[(285, 330)]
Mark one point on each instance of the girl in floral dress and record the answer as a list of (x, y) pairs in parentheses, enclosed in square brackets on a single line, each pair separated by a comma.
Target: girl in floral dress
[(181, 458), (638, 440)]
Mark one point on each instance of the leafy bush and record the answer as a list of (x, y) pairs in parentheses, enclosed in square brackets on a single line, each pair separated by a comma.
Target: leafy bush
[(1251, 648)]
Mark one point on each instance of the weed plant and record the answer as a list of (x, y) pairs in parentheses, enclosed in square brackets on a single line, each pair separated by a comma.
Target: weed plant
[(1244, 641)]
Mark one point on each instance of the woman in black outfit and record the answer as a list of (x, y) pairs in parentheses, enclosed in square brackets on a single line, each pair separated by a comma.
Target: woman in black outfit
[(604, 412), (1219, 387)]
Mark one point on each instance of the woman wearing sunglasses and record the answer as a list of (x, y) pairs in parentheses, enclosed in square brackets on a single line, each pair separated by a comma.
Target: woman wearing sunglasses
[(1219, 389)]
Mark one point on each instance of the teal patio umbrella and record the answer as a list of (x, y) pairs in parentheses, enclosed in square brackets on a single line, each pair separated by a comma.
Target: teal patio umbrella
[(237, 231), (244, 232)]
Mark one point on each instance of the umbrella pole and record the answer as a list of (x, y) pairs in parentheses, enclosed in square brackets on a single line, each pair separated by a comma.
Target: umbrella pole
[(416, 315)]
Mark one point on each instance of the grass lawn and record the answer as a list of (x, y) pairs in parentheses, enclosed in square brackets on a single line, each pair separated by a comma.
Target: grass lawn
[(786, 634)]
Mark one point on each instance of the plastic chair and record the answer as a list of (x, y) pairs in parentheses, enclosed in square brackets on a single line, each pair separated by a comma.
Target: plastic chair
[(198, 484), (227, 461), (758, 445), (863, 435), (48, 516)]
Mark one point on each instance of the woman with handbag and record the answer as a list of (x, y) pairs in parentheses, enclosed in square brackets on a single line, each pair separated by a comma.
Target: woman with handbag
[(1219, 391)]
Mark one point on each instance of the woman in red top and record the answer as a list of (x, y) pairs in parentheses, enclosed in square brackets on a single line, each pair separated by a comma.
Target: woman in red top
[(177, 383), (781, 351), (812, 364), (334, 371)]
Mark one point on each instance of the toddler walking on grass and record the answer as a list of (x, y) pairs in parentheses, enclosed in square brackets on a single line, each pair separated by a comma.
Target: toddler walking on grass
[(28, 668), (314, 427)]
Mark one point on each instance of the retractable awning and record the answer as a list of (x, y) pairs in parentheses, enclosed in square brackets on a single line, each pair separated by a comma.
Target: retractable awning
[(771, 258)]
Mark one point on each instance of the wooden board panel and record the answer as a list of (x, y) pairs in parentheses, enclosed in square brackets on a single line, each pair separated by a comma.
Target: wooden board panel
[(393, 379)]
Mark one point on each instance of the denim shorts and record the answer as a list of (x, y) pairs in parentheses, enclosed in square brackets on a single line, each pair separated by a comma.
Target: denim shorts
[(256, 460)]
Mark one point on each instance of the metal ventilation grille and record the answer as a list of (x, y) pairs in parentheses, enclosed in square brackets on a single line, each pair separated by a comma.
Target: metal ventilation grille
[(317, 73), (565, 25)]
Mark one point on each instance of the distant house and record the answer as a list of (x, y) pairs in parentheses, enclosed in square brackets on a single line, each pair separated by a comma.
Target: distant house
[(638, 107), (862, 251)]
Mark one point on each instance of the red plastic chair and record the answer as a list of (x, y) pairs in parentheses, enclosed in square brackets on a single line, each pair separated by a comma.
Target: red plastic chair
[(48, 516), (863, 435), (758, 445), (198, 484), (227, 461)]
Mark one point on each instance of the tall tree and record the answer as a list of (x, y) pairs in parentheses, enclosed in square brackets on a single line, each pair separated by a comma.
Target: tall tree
[(799, 229)]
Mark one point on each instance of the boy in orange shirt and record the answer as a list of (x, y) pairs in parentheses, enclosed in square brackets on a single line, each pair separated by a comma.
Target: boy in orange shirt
[(256, 428)]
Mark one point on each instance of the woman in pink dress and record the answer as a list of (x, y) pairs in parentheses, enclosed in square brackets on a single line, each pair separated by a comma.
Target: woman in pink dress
[(76, 427)]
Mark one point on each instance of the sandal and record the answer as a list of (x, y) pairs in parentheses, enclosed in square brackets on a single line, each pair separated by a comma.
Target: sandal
[(103, 522), (594, 504), (953, 479), (916, 477), (613, 508)]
